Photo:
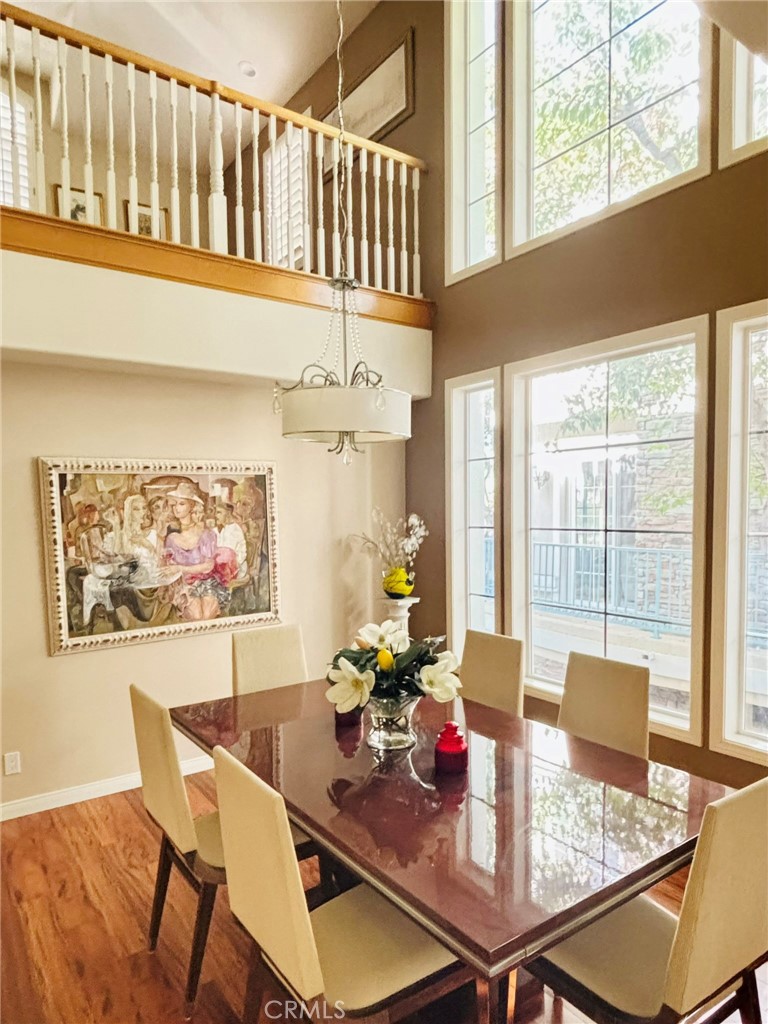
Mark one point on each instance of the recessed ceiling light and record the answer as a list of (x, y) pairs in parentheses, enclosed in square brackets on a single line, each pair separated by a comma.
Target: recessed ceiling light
[(247, 68)]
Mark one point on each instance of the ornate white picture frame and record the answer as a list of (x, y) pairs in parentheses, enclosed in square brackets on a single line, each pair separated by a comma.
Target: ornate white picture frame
[(146, 549)]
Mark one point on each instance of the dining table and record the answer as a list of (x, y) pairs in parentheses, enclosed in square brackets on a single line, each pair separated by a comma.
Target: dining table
[(543, 834)]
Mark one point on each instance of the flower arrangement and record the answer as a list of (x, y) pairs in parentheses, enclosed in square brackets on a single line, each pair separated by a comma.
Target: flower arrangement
[(385, 664), (397, 545)]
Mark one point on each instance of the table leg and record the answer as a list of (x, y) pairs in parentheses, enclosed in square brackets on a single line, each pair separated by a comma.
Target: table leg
[(496, 999)]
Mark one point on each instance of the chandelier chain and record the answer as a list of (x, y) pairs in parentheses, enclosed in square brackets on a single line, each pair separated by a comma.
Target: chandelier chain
[(340, 153)]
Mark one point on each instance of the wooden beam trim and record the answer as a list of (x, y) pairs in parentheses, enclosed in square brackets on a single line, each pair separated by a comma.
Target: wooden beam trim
[(37, 235), (100, 47)]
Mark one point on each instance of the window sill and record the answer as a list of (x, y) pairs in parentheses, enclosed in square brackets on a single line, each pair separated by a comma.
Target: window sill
[(729, 155), (454, 276), (746, 750)]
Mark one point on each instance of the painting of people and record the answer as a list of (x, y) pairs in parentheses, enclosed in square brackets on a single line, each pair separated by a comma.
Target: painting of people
[(141, 550)]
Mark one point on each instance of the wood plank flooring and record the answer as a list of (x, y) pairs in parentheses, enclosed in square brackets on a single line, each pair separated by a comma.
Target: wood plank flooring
[(76, 892)]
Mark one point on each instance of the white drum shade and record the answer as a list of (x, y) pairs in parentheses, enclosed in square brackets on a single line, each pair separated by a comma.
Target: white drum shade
[(322, 413)]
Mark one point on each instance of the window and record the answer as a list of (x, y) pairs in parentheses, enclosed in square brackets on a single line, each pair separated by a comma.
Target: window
[(739, 716), (24, 131), (605, 99), (743, 101), (473, 201), (606, 492), (287, 200), (473, 519)]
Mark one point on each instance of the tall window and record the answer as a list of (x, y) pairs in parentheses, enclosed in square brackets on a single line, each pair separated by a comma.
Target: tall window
[(472, 133), (287, 190), (743, 101), (606, 102), (472, 487), (606, 495), (23, 131), (740, 606)]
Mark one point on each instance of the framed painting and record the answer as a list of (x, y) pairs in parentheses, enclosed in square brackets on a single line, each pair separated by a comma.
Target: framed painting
[(145, 220), (380, 99), (140, 549), (77, 205)]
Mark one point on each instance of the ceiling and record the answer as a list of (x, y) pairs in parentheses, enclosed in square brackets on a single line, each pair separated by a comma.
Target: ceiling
[(285, 40)]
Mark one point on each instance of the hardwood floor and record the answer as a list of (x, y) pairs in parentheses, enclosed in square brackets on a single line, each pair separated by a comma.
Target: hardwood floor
[(77, 888)]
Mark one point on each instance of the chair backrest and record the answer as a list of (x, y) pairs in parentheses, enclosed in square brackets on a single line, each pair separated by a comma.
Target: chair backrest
[(163, 789), (492, 671), (263, 878), (607, 702), (265, 658), (723, 924)]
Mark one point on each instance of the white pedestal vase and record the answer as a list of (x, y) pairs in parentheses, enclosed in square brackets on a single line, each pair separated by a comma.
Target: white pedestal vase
[(398, 609)]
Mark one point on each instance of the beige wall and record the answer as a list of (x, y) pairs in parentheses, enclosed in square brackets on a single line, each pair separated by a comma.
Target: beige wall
[(697, 249), (69, 716)]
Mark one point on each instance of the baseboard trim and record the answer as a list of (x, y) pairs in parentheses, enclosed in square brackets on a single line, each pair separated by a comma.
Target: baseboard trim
[(90, 791)]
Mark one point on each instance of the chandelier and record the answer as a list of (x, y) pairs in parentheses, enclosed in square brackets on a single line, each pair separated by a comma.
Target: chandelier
[(332, 403)]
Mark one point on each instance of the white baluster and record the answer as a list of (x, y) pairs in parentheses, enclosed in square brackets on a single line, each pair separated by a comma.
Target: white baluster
[(390, 225), (133, 181), (194, 202), (257, 254), (15, 168), (272, 195), (90, 201), (403, 230), (307, 234), (239, 213), (66, 195), (364, 216), (111, 184), (350, 213), (336, 241), (175, 201), (319, 155), (154, 185), (217, 200), (39, 155), (416, 254), (289, 177), (377, 275)]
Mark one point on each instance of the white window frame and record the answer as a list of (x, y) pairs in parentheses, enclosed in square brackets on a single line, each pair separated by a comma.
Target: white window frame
[(733, 326), (734, 96), (518, 141), (456, 163), (515, 513), (25, 101), (279, 157), (456, 500)]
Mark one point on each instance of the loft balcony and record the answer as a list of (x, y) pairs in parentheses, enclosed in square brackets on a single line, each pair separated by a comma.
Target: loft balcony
[(116, 162)]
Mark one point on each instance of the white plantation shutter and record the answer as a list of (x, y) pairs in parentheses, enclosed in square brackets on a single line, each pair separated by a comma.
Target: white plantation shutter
[(289, 167), (24, 137)]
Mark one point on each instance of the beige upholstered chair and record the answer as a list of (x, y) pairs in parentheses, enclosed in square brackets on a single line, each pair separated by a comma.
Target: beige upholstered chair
[(607, 702), (265, 658), (358, 948), (492, 671), (192, 844), (641, 963)]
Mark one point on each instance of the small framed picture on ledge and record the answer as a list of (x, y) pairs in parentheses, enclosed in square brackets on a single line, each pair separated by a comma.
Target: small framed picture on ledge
[(145, 220), (77, 210)]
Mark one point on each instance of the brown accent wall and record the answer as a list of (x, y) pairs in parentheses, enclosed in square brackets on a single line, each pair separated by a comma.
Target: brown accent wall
[(697, 249)]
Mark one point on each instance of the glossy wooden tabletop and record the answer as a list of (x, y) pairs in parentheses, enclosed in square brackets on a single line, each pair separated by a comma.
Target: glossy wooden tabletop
[(543, 833)]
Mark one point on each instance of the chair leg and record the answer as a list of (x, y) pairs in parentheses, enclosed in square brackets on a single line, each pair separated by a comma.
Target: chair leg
[(748, 1000), (255, 988), (205, 903), (328, 885), (164, 865)]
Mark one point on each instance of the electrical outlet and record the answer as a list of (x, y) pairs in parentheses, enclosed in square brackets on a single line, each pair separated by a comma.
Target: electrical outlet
[(12, 763)]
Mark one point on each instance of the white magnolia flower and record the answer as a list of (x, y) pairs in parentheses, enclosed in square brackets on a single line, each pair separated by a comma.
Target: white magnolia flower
[(389, 634), (438, 680), (351, 687)]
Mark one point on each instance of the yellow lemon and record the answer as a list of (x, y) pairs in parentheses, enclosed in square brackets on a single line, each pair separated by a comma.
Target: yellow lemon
[(385, 660), (398, 583)]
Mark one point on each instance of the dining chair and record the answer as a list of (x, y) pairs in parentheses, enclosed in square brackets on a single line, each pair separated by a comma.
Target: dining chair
[(606, 702), (358, 949), (263, 659), (192, 844), (492, 671), (641, 963)]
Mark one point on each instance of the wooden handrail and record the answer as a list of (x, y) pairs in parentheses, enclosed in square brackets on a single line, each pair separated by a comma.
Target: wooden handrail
[(100, 47)]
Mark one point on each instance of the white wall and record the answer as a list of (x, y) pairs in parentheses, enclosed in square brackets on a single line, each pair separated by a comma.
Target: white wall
[(69, 716)]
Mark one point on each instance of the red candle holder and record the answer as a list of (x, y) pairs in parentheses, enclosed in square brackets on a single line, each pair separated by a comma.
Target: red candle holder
[(451, 750)]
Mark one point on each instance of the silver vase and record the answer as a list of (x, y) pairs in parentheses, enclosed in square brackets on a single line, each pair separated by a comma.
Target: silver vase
[(390, 719)]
